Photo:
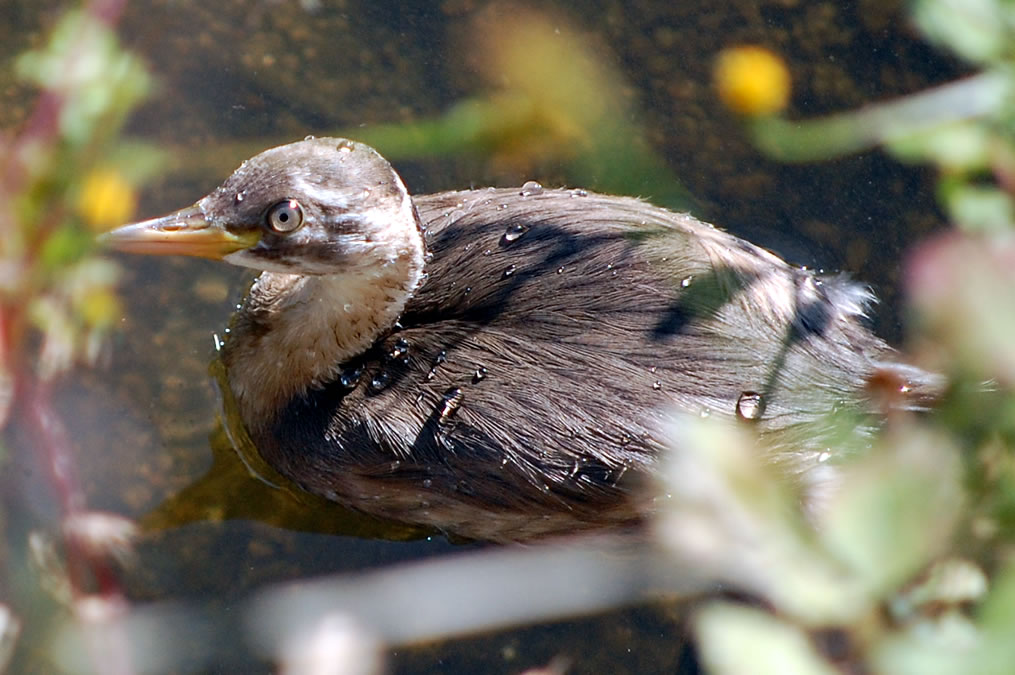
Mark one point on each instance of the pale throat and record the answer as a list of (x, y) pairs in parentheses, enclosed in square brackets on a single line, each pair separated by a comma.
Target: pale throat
[(295, 332)]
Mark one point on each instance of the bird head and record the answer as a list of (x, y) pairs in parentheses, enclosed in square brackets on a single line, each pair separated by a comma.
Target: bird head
[(318, 206)]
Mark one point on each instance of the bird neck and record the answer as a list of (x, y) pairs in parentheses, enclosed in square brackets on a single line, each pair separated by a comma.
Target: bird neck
[(294, 332)]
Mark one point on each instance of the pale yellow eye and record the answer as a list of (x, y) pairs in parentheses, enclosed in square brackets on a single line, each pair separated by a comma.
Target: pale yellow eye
[(285, 217)]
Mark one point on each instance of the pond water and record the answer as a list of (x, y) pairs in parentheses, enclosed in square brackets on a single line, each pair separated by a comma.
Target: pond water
[(238, 76)]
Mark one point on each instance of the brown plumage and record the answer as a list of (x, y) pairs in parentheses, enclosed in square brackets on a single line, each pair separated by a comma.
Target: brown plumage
[(511, 379)]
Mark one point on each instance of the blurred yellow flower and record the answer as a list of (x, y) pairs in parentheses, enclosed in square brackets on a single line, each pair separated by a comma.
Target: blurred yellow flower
[(106, 199), (752, 80)]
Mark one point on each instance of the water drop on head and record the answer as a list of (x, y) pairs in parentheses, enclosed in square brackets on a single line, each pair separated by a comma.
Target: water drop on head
[(578, 192), (309, 137), (531, 188), (508, 271), (750, 406), (479, 375), (240, 195), (468, 289), (560, 270), (686, 281), (513, 234), (427, 483), (657, 385), (487, 252)]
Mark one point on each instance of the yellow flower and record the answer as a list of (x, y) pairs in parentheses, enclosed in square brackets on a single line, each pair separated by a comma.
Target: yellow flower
[(752, 80), (106, 199)]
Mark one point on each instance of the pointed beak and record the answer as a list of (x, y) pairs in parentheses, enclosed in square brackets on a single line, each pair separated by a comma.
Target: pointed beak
[(186, 232)]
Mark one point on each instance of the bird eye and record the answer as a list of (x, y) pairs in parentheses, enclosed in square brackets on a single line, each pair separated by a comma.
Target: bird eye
[(285, 217)]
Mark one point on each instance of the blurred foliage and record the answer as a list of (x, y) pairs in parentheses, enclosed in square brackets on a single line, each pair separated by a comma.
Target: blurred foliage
[(908, 566), (68, 174), (65, 175), (554, 100), (964, 128)]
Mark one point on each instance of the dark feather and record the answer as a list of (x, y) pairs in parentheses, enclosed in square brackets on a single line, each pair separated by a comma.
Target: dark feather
[(525, 389)]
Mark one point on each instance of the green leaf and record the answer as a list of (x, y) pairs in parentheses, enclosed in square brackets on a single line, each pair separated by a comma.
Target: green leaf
[(958, 147), (978, 208), (737, 640), (895, 509), (977, 30)]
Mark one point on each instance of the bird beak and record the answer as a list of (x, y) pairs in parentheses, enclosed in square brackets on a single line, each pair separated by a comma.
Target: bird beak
[(186, 232)]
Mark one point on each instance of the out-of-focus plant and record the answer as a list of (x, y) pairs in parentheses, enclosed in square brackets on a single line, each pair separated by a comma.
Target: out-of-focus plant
[(909, 567), (65, 175), (553, 99), (964, 127)]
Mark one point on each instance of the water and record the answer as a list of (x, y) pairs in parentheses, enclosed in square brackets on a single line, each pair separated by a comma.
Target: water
[(351, 376), (530, 188), (750, 406), (513, 233), (451, 401), (400, 351), (255, 74)]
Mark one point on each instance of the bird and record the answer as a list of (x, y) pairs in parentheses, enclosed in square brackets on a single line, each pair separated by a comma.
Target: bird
[(501, 364)]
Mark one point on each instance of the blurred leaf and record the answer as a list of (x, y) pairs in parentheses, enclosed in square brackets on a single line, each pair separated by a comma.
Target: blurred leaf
[(139, 162), (555, 99), (998, 611), (729, 512), (97, 81), (962, 289), (977, 30), (737, 640), (65, 246), (957, 147), (895, 509), (977, 208), (953, 645)]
